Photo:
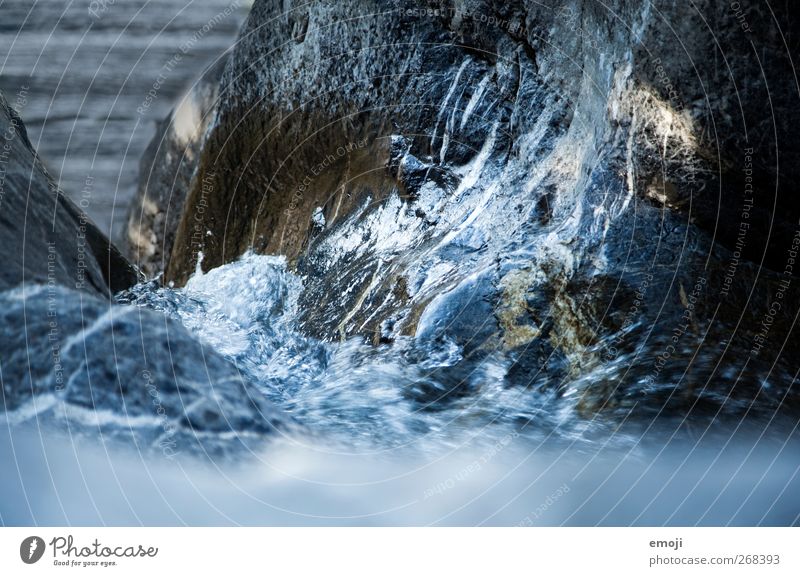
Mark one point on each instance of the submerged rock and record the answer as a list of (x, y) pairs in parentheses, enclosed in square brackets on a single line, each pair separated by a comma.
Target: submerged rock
[(590, 195)]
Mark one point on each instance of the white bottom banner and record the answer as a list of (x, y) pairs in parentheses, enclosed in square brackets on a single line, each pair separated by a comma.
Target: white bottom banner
[(416, 551)]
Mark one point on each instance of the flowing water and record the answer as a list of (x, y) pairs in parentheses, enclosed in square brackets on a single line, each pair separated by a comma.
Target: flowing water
[(87, 76), (382, 439), (390, 397)]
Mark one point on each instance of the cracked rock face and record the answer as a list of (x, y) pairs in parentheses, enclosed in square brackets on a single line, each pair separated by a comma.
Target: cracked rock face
[(601, 195)]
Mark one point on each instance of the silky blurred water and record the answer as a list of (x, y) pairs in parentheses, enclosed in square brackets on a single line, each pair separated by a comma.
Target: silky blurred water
[(84, 75)]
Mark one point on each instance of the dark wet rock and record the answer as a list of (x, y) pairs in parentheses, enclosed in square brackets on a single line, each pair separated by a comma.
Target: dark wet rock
[(165, 175), (47, 239), (564, 184)]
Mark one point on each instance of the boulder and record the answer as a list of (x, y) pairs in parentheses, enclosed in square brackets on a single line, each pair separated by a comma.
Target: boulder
[(601, 193), (123, 373)]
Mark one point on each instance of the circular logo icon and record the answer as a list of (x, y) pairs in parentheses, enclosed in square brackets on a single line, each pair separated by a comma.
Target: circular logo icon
[(31, 550)]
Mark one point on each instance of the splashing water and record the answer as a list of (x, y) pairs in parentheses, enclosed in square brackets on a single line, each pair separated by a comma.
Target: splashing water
[(412, 392)]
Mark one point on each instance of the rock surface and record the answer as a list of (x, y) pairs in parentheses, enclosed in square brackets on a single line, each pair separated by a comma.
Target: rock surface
[(165, 174), (123, 373), (602, 196), (47, 238)]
